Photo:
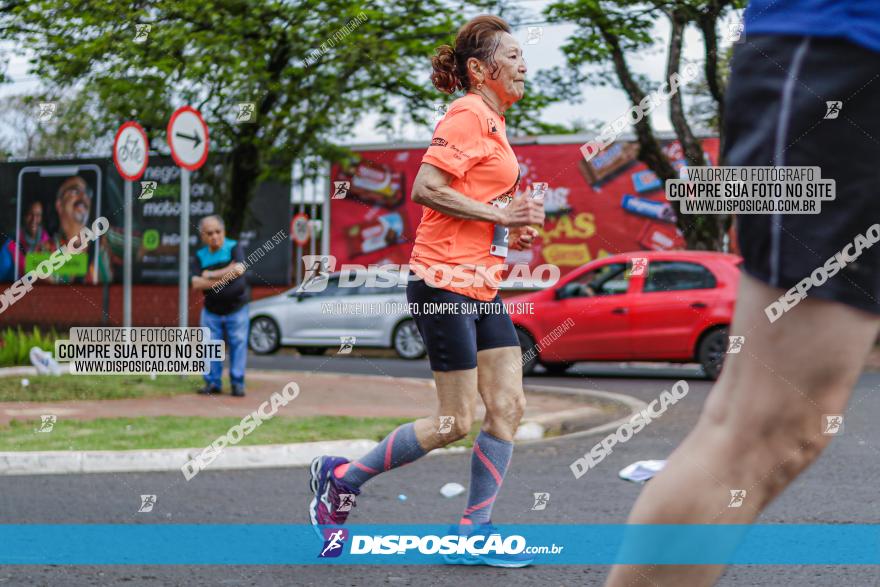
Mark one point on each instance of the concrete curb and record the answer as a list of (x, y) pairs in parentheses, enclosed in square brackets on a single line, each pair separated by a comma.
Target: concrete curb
[(13, 371), (284, 455), (131, 461), (561, 419)]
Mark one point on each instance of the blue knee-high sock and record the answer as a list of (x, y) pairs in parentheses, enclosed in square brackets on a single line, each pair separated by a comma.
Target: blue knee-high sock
[(397, 449), (489, 463)]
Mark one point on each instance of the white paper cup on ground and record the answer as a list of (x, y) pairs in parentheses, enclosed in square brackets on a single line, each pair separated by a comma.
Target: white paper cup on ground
[(452, 489)]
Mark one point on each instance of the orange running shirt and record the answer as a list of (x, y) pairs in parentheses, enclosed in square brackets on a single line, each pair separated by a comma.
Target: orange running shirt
[(470, 143)]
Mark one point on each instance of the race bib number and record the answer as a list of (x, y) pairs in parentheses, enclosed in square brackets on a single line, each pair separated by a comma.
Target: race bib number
[(499, 241), (500, 233)]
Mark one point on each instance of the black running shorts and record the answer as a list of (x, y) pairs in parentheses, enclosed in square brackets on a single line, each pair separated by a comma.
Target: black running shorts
[(775, 114), (455, 327)]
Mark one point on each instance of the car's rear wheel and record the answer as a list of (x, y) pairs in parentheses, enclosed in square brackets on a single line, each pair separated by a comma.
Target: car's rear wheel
[(557, 368), (311, 350), (712, 350), (407, 341), (529, 352), (264, 337)]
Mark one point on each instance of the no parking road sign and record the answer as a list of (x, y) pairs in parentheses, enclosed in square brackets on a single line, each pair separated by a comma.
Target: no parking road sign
[(300, 229), (188, 138)]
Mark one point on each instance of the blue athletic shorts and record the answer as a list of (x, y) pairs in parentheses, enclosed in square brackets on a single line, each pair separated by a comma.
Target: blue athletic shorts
[(456, 327)]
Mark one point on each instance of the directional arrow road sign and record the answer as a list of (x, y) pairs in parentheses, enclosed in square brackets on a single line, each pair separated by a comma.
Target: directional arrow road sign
[(188, 138)]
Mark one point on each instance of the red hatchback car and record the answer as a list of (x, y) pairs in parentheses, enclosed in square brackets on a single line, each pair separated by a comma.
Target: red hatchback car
[(671, 306)]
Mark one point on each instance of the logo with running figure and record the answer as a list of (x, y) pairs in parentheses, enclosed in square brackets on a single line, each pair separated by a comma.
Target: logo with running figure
[(148, 188), (639, 264), (346, 344), (346, 502), (832, 424), (735, 344), (737, 497), (47, 423), (735, 31), (534, 35), (833, 108), (47, 111), (340, 190), (247, 112), (142, 32), (147, 503), (541, 501), (446, 424), (334, 541)]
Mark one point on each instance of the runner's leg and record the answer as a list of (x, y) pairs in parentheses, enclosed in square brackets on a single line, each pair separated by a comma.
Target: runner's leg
[(761, 425), (500, 386), (456, 395)]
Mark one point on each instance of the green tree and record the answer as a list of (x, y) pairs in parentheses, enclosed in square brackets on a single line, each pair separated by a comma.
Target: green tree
[(312, 69), (74, 127), (611, 30)]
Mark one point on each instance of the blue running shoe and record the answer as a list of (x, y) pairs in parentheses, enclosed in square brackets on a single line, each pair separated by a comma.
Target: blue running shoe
[(332, 499), (510, 561)]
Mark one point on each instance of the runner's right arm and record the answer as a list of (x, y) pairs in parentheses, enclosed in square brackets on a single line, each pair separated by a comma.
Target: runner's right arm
[(431, 188)]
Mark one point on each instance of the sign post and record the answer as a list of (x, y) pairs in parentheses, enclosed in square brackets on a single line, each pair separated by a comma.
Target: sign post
[(188, 140), (130, 155)]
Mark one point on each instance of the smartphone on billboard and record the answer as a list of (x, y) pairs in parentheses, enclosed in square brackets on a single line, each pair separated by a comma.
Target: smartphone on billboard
[(54, 203)]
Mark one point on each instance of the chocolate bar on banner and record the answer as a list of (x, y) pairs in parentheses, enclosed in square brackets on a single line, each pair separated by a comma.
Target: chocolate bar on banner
[(648, 208), (375, 184), (607, 164), (384, 231)]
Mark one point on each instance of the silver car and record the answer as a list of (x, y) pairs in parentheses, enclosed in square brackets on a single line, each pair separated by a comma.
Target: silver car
[(321, 314)]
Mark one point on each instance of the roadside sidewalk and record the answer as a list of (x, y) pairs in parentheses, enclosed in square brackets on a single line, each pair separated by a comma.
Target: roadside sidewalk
[(321, 394), (551, 410)]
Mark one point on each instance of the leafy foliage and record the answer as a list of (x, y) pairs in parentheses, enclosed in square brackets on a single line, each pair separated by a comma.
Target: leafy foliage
[(313, 69), (15, 345)]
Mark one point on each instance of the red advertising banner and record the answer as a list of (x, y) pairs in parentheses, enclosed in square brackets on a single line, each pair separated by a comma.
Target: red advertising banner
[(611, 204)]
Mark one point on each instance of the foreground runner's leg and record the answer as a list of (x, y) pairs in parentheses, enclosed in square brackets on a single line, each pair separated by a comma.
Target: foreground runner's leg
[(761, 425), (334, 477)]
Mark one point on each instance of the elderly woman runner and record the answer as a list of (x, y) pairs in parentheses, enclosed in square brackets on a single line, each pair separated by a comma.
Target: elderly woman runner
[(466, 184)]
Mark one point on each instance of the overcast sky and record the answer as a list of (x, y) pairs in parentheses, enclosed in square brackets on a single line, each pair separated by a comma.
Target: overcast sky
[(604, 104)]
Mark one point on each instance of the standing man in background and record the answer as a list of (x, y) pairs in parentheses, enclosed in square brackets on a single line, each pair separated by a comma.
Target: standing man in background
[(218, 270)]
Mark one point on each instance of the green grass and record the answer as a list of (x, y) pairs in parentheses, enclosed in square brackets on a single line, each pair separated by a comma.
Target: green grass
[(190, 432), (46, 388), (15, 345)]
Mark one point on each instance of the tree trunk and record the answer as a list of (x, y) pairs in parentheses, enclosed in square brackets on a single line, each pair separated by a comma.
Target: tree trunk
[(701, 231), (650, 151), (692, 147), (244, 162)]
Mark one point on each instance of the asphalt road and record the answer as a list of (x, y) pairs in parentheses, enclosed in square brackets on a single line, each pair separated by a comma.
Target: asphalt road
[(840, 488)]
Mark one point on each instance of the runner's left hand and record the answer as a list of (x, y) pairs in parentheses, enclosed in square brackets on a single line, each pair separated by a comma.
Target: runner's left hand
[(522, 237)]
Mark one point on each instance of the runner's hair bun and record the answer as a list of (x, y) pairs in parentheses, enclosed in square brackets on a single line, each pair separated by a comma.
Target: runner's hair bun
[(444, 77)]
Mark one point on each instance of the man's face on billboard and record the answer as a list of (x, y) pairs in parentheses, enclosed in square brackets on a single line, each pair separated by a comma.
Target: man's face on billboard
[(212, 233), (34, 218), (73, 202)]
